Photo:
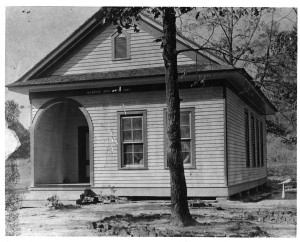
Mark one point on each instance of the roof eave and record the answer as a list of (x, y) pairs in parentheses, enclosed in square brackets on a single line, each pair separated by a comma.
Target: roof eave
[(236, 77)]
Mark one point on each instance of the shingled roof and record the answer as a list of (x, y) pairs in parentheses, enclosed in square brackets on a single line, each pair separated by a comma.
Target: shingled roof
[(113, 75)]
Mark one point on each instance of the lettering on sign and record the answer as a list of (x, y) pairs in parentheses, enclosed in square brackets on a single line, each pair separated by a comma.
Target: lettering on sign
[(108, 91)]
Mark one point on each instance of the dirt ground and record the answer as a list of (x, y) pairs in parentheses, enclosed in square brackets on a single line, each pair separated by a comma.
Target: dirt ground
[(273, 217)]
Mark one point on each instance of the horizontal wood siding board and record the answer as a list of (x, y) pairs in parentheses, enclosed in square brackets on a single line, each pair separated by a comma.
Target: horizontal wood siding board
[(214, 185), (237, 170), (96, 55)]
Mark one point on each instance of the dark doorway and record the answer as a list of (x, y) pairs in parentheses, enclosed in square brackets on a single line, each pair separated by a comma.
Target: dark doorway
[(83, 154)]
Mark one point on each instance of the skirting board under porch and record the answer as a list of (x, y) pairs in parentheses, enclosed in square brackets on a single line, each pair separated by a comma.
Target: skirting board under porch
[(72, 191)]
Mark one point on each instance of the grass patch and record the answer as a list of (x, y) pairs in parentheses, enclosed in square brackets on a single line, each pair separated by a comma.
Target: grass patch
[(282, 170)]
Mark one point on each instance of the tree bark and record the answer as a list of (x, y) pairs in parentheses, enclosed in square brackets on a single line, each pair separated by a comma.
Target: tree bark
[(180, 215)]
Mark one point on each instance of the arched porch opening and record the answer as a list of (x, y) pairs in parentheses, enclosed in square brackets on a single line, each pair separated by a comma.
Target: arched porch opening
[(62, 144)]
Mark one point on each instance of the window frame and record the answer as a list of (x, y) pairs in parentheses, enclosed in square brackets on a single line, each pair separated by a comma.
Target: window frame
[(191, 110), (134, 113), (257, 144), (253, 140), (262, 144), (247, 138), (113, 42)]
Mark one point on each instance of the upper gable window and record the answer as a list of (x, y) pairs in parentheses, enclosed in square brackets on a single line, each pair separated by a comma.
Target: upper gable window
[(120, 45)]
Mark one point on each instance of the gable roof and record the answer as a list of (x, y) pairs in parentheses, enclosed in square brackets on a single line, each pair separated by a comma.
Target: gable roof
[(96, 21), (33, 80)]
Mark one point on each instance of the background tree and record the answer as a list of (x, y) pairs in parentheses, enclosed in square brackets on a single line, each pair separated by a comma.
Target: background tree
[(253, 38), (279, 81), (12, 176), (12, 113)]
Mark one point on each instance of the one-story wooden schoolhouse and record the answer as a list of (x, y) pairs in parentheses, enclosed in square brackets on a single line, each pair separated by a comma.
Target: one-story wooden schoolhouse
[(98, 117)]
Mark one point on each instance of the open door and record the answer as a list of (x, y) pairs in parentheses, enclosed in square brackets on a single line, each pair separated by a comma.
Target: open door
[(83, 154)]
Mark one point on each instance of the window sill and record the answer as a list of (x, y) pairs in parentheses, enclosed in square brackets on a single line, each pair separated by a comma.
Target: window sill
[(120, 59), (185, 167), (133, 168)]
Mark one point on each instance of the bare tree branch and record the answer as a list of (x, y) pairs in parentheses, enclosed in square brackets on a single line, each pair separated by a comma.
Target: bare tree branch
[(268, 50)]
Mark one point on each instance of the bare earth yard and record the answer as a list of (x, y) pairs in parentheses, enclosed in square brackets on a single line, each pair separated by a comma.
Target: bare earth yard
[(267, 218), (270, 217)]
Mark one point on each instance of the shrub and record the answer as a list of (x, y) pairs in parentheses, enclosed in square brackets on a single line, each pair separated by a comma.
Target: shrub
[(54, 203), (12, 198)]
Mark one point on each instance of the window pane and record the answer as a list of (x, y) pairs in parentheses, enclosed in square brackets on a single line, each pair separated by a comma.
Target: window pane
[(127, 159), (186, 157), (185, 131), (126, 124), (184, 119), (138, 158), (120, 47), (137, 123), (137, 135), (138, 148), (185, 146), (127, 136), (128, 148)]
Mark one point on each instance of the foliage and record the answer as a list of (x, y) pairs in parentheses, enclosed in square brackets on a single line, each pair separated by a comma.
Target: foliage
[(229, 31), (282, 171), (280, 84), (12, 112), (280, 152), (253, 38), (54, 203), (112, 192), (12, 176), (12, 198)]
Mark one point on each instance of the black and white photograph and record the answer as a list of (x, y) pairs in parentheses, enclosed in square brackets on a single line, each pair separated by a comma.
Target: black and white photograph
[(145, 121)]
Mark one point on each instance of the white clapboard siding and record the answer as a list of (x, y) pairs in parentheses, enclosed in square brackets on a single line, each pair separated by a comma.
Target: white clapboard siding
[(95, 56), (209, 132), (237, 171)]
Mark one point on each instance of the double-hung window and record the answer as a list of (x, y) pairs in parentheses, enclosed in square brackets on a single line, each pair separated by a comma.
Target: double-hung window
[(187, 131), (132, 140)]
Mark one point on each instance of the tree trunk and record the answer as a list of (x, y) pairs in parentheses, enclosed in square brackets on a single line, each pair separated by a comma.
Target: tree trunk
[(180, 215)]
